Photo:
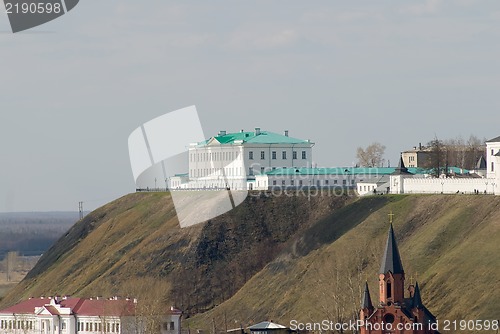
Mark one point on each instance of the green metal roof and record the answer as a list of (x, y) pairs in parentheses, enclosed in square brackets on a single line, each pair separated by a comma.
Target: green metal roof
[(354, 171), (264, 137)]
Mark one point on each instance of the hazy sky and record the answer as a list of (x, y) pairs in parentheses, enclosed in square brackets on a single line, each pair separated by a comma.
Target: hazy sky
[(341, 73)]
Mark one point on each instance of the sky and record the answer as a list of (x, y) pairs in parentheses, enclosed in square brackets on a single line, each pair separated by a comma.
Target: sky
[(341, 73)]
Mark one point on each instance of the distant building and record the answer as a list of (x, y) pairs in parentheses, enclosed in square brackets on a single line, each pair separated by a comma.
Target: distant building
[(268, 327), (417, 157), (232, 160), (394, 313), (492, 155), (406, 182), (82, 316)]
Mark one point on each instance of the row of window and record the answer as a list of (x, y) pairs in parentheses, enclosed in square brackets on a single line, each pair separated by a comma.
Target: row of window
[(214, 156), (228, 171), (366, 188), (99, 327), (319, 183), (16, 324), (274, 155)]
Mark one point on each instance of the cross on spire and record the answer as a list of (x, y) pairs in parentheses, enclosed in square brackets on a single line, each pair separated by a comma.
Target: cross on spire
[(390, 216)]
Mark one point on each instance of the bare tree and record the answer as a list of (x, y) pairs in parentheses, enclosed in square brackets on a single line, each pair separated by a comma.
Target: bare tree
[(371, 156)]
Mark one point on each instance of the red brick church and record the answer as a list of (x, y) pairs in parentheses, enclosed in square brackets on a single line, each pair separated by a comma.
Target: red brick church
[(394, 313)]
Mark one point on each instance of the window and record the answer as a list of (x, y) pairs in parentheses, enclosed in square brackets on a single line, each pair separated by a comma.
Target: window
[(282, 182), (273, 155), (491, 151), (250, 171), (274, 168), (344, 182), (117, 328), (300, 183), (100, 327), (250, 155), (172, 325), (283, 155), (294, 155), (389, 290), (327, 182), (274, 182), (335, 181), (492, 166), (63, 325), (262, 170), (87, 326), (262, 155), (292, 182), (304, 155)]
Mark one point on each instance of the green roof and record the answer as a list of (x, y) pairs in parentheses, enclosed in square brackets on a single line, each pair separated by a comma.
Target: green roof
[(264, 137), (353, 171)]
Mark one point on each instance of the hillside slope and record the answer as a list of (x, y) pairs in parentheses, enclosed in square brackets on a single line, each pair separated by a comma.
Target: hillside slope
[(279, 258), (134, 246), (451, 244)]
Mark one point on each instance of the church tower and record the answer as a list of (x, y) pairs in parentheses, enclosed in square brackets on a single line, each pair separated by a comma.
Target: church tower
[(394, 313), (396, 179)]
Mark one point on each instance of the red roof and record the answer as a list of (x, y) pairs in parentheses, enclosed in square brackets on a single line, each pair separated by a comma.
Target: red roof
[(52, 310), (26, 306), (79, 306)]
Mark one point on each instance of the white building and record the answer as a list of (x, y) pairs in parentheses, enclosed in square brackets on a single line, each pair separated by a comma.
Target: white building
[(233, 160), (404, 182), (81, 315), (492, 154)]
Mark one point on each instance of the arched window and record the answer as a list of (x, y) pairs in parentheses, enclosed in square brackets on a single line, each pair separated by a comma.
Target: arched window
[(389, 290)]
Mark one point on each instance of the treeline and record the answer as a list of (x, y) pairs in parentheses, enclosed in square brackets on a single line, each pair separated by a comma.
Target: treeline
[(455, 152), (32, 233)]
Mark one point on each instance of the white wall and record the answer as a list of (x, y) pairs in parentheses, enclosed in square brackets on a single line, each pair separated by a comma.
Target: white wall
[(492, 148), (448, 185)]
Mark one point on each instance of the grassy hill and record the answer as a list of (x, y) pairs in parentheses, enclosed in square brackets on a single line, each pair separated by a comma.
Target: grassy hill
[(134, 246), (451, 244), (279, 258)]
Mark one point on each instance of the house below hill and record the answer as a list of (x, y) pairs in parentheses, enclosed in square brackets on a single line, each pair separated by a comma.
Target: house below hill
[(83, 316)]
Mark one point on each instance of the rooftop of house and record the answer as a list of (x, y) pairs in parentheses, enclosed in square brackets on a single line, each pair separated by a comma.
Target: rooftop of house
[(494, 140), (256, 137), (266, 325), (79, 306)]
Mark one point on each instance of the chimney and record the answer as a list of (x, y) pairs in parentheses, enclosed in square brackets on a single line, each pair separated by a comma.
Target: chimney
[(257, 131), (242, 131), (222, 132), (420, 146), (286, 133)]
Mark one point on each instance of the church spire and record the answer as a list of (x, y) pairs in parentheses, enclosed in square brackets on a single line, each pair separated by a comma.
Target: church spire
[(366, 302), (391, 261), (401, 169), (417, 299)]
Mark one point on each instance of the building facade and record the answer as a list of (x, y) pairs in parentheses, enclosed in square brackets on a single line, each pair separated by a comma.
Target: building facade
[(393, 312), (417, 157), (233, 160), (82, 316), (492, 157)]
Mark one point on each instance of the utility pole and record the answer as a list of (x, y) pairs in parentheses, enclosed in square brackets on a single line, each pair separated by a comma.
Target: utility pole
[(80, 209)]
